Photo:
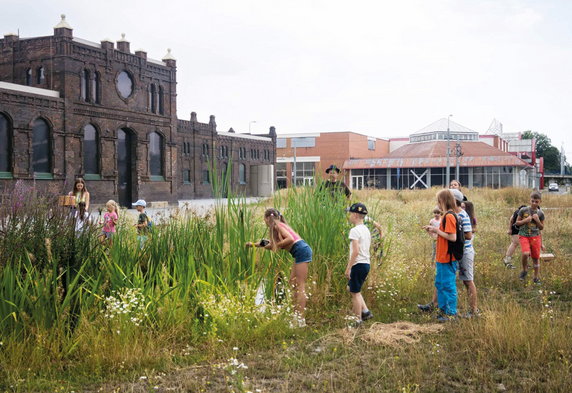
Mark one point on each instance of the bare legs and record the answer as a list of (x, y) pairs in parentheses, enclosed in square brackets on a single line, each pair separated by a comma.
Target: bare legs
[(358, 304), (472, 294), (298, 283)]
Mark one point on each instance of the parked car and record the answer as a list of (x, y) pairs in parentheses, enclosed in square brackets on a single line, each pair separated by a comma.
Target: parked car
[(553, 187)]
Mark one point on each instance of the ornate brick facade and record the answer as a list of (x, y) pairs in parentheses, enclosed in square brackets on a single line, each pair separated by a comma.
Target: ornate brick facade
[(130, 100)]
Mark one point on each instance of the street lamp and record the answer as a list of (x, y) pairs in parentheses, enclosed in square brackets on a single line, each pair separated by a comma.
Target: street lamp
[(249, 124), (448, 151)]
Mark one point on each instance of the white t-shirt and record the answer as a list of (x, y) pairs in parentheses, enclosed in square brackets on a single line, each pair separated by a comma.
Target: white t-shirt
[(363, 236)]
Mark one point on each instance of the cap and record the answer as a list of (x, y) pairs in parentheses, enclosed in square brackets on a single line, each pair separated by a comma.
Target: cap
[(140, 202), (458, 195), (357, 208), (333, 168)]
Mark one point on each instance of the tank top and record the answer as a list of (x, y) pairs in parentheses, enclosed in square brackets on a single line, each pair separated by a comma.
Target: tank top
[(294, 235)]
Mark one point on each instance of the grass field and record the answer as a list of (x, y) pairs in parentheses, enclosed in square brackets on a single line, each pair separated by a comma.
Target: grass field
[(180, 315)]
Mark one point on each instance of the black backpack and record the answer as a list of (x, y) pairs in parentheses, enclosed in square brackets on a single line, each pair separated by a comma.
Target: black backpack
[(515, 217), (456, 248)]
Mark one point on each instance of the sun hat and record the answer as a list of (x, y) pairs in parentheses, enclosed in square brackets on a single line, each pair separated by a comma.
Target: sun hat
[(357, 208), (140, 202), (332, 168)]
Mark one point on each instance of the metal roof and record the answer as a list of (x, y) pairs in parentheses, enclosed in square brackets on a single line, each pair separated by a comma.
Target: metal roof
[(434, 155)]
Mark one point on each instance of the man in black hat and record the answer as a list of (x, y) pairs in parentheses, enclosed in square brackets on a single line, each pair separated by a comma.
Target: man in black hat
[(333, 185)]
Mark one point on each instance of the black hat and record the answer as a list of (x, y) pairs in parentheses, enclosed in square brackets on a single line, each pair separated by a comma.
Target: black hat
[(333, 168), (357, 208)]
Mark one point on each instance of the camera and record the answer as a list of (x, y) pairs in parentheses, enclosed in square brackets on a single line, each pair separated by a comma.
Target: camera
[(264, 242)]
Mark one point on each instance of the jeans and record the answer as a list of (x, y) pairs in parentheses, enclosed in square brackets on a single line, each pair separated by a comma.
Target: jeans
[(445, 282)]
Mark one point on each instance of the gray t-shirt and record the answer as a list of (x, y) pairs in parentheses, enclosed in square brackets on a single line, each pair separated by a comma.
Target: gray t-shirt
[(530, 229)]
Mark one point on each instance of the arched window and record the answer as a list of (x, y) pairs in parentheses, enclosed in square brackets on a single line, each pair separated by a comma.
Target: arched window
[(84, 85), (41, 149), (152, 99), (90, 150), (242, 174), (95, 88), (161, 102), (41, 75), (5, 145), (155, 154), (29, 77)]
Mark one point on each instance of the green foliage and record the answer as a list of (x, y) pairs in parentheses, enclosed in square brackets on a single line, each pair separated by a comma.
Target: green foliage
[(545, 149)]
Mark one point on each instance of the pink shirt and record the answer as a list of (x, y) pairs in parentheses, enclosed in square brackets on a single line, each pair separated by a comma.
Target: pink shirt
[(108, 225), (294, 235)]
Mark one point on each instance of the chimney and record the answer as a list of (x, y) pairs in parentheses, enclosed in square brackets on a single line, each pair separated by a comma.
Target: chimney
[(62, 29), (141, 53), (231, 130), (106, 43), (123, 44), (212, 122), (194, 117), (10, 37), (169, 60)]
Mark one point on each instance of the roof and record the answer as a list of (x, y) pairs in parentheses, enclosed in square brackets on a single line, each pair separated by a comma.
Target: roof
[(434, 155), (29, 89), (441, 125)]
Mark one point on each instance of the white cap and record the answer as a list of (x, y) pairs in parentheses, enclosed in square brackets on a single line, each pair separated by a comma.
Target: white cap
[(458, 195), (140, 202)]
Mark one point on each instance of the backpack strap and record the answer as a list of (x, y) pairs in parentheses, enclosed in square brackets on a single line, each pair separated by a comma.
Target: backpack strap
[(451, 256)]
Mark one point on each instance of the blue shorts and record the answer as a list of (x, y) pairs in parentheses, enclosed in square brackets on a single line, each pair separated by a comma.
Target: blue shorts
[(301, 252), (358, 274)]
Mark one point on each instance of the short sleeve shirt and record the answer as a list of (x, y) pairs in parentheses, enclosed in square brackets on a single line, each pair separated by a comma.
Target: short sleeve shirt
[(337, 186), (143, 219), (467, 227), (363, 236), (108, 225), (530, 229), (448, 225)]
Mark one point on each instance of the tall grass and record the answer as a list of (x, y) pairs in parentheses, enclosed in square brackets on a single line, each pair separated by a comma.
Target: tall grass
[(71, 305)]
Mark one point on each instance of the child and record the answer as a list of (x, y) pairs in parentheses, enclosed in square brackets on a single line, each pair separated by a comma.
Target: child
[(531, 221), (445, 279), (469, 208), (514, 241), (82, 219), (467, 263), (358, 262), (109, 222), (282, 237), (142, 222)]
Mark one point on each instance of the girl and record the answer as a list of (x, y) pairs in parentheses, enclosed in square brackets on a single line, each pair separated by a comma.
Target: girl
[(82, 219), (445, 279), (470, 209), (456, 185), (283, 237), (109, 222), (80, 193)]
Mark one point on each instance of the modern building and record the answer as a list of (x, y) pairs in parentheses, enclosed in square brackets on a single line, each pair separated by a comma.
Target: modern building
[(302, 157), (73, 108), (476, 160)]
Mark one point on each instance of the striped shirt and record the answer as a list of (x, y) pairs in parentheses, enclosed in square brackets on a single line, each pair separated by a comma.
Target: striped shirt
[(466, 223)]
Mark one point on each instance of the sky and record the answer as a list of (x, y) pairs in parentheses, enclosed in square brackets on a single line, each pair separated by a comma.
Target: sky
[(380, 68)]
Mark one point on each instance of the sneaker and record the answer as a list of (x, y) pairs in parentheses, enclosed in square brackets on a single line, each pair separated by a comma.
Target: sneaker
[(522, 275), (471, 314), (507, 264), (366, 315), (537, 281), (429, 307), (442, 318)]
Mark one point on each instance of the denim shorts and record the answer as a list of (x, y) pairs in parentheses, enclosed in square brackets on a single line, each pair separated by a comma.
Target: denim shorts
[(108, 235), (301, 252), (358, 274)]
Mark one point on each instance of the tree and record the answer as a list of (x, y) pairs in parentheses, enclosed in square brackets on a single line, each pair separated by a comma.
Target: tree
[(544, 149)]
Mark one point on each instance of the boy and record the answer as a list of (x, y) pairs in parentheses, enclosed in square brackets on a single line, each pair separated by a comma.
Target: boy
[(359, 260), (531, 221), (142, 222)]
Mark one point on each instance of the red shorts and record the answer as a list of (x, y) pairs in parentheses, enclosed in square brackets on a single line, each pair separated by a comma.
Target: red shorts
[(531, 245)]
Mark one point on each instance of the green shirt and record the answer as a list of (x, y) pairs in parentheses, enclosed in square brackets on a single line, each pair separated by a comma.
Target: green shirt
[(529, 229)]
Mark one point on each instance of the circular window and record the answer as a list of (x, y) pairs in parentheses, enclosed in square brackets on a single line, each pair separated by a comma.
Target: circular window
[(124, 84)]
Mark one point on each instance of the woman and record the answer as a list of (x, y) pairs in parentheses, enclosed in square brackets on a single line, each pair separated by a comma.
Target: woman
[(282, 237), (80, 193)]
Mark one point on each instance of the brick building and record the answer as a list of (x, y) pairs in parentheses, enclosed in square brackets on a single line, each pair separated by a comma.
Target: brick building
[(314, 152), (74, 108)]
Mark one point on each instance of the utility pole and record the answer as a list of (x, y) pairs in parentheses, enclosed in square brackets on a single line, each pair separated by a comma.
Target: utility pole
[(448, 151), (294, 166), (458, 154)]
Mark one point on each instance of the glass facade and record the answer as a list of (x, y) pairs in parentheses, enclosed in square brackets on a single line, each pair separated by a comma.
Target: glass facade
[(493, 176)]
